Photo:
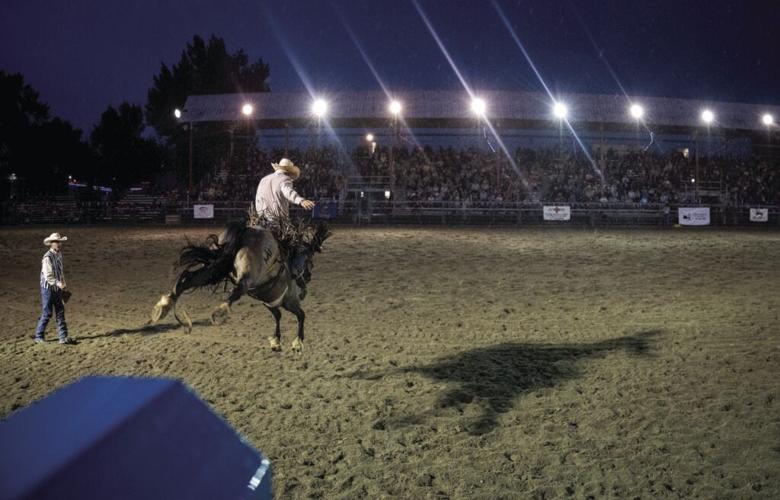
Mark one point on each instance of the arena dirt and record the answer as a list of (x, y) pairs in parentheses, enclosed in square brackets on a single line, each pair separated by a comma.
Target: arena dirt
[(462, 363)]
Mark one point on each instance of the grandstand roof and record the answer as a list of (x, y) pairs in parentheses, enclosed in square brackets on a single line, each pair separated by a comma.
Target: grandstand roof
[(506, 109)]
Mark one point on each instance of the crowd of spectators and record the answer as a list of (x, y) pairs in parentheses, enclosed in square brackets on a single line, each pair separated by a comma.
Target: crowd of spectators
[(552, 176), (483, 176), (322, 175), (463, 177)]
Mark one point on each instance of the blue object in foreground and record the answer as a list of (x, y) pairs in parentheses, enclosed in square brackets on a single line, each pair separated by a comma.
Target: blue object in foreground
[(123, 438)]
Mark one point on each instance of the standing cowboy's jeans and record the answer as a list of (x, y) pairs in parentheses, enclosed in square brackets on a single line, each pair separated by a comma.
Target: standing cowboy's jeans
[(51, 300)]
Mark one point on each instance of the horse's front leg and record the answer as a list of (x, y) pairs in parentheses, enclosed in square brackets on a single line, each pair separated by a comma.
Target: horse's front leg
[(295, 308), (276, 340), (222, 311)]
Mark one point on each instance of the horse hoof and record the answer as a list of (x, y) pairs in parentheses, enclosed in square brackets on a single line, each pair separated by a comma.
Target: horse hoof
[(161, 309), (297, 346), (220, 314), (275, 344)]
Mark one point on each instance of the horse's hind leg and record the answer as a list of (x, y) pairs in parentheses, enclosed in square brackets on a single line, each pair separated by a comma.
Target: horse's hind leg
[(276, 340), (222, 311)]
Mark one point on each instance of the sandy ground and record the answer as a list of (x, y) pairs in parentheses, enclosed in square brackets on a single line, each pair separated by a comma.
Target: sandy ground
[(461, 363)]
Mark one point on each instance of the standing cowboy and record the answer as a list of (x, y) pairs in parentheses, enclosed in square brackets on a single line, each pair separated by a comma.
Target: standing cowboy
[(54, 291), (274, 195)]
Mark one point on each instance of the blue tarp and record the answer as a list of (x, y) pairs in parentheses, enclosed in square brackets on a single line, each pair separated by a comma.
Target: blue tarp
[(118, 437)]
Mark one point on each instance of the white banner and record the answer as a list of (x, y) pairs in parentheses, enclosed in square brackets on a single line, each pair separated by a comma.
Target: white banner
[(203, 211), (693, 216), (556, 212), (759, 214)]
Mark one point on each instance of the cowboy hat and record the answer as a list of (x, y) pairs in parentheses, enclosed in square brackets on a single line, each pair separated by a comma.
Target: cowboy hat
[(54, 237), (287, 166)]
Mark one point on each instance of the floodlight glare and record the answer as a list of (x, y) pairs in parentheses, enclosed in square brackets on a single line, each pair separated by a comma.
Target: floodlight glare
[(370, 137), (637, 111), (177, 113), (395, 107), (768, 120), (478, 106), (707, 116), (319, 108), (247, 109), (560, 110)]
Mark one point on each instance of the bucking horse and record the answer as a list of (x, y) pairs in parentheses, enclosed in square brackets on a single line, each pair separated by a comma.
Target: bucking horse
[(256, 262)]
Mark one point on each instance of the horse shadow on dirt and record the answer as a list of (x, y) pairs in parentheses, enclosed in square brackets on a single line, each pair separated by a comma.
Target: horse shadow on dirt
[(496, 376), (145, 329)]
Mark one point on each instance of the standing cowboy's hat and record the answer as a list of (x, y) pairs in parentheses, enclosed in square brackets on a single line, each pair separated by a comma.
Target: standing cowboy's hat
[(288, 166), (54, 237)]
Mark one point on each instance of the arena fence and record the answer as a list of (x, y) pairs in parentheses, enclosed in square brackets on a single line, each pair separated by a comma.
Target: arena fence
[(381, 211)]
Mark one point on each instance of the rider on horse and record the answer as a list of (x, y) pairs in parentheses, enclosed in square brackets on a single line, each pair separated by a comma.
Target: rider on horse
[(274, 195)]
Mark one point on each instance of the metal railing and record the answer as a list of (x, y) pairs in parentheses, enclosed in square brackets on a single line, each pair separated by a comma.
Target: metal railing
[(380, 211), (372, 183)]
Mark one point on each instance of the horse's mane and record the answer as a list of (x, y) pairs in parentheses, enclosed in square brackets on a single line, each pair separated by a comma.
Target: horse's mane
[(295, 234), (301, 234)]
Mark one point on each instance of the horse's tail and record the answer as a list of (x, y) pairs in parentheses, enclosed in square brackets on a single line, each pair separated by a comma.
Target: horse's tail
[(201, 266), (209, 264)]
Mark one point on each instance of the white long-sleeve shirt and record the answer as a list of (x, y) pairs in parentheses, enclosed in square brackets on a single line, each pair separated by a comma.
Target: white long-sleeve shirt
[(274, 195), (52, 270)]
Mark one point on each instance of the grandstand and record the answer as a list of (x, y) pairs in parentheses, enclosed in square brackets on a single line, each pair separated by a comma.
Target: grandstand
[(524, 119), (434, 159)]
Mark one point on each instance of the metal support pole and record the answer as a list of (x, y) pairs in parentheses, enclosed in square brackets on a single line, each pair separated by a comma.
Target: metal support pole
[(189, 163)]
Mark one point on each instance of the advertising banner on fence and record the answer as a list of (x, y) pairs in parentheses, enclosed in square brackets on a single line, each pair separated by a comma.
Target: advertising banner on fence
[(556, 212), (759, 214), (203, 211), (693, 216)]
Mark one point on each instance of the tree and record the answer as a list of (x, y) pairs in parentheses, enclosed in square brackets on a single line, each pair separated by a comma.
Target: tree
[(56, 153), (39, 150), (124, 155), (203, 68)]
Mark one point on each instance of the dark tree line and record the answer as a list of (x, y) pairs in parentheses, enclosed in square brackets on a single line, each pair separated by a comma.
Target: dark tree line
[(129, 144), (205, 67), (33, 144), (122, 151)]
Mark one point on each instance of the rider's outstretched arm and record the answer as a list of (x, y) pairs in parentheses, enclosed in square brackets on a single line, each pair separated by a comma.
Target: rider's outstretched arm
[(289, 192)]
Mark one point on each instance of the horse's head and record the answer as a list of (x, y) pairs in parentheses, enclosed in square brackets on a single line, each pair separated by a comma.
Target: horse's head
[(312, 245), (318, 237)]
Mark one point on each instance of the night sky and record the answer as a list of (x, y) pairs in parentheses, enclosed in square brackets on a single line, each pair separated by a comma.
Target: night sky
[(84, 55)]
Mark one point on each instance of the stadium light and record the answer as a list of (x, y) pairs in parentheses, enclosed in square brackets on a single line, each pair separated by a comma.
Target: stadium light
[(768, 120), (247, 109), (560, 111), (370, 137), (707, 116), (387, 195), (478, 106), (177, 113), (637, 111), (394, 107), (319, 107)]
